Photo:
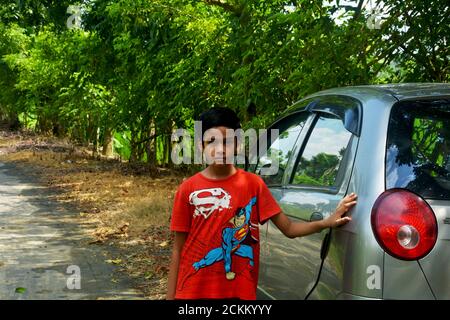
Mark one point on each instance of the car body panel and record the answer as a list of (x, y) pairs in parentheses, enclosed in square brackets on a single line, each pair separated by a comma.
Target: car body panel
[(433, 270), (354, 253), (436, 265), (404, 280), (351, 261)]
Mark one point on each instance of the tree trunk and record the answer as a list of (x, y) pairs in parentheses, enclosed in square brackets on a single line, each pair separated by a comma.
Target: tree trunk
[(13, 122), (168, 144), (43, 124), (108, 143), (95, 143), (151, 145), (133, 147)]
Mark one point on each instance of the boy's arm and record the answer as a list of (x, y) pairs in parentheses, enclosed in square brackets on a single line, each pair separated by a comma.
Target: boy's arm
[(299, 229), (180, 239)]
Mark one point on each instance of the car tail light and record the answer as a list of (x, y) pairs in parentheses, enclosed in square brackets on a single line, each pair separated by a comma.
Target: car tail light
[(404, 224)]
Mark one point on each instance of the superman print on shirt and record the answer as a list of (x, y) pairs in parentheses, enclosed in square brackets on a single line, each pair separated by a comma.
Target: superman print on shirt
[(220, 258)]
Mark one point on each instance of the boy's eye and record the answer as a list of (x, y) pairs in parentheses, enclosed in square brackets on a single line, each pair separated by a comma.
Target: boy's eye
[(227, 142)]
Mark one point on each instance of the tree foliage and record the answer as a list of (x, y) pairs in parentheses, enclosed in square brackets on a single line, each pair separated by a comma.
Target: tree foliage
[(138, 69)]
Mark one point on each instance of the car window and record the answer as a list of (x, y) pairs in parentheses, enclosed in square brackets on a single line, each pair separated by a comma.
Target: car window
[(320, 162), (418, 148), (281, 148)]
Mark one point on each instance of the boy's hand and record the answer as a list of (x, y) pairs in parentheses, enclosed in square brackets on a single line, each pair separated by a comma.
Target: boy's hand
[(336, 219)]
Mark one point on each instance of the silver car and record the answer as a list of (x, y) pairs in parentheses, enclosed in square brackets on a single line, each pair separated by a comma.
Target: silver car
[(390, 144)]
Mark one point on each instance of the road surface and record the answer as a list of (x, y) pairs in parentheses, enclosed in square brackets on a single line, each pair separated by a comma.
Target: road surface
[(44, 253)]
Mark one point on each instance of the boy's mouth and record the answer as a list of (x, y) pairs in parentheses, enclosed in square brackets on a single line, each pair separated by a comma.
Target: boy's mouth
[(222, 161)]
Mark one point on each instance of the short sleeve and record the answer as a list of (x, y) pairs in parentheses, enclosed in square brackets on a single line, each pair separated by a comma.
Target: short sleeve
[(181, 211), (266, 203)]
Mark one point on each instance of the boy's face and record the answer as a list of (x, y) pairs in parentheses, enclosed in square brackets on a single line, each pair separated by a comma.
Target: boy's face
[(218, 149)]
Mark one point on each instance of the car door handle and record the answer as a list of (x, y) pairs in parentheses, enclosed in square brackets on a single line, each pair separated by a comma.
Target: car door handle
[(316, 216)]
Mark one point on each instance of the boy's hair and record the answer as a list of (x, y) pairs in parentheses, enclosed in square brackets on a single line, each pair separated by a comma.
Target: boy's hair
[(219, 117)]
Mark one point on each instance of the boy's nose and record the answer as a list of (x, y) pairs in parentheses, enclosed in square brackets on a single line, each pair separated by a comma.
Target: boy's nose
[(219, 149)]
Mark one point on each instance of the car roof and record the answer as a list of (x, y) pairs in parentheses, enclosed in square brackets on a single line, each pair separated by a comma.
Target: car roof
[(400, 91)]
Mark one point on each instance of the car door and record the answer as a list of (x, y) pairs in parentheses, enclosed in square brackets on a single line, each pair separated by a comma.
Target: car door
[(315, 180), (276, 148)]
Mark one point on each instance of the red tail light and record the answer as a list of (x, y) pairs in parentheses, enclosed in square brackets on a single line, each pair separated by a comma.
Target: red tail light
[(404, 224)]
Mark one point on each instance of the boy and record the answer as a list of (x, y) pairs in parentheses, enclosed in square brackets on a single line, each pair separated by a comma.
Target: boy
[(215, 218)]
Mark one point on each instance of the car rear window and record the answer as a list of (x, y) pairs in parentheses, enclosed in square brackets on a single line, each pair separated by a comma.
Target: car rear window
[(418, 148)]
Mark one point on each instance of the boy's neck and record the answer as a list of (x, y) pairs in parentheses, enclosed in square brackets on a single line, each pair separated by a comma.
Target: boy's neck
[(219, 171)]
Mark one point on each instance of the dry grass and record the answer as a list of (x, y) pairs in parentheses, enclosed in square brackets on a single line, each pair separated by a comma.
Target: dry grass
[(8, 140), (129, 207)]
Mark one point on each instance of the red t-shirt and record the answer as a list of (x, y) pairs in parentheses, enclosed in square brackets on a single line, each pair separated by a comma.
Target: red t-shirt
[(220, 258)]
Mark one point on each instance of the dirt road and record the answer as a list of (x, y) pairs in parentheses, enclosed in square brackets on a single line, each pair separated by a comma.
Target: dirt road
[(44, 251)]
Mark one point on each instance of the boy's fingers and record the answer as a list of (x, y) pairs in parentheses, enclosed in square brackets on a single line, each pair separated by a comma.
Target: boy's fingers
[(350, 204), (348, 199), (343, 221)]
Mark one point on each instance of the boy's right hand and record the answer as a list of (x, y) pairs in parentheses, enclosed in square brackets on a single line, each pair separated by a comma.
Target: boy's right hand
[(336, 219)]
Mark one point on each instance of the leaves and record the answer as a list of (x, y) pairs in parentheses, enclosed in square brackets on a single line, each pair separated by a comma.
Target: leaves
[(20, 290), (139, 69)]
